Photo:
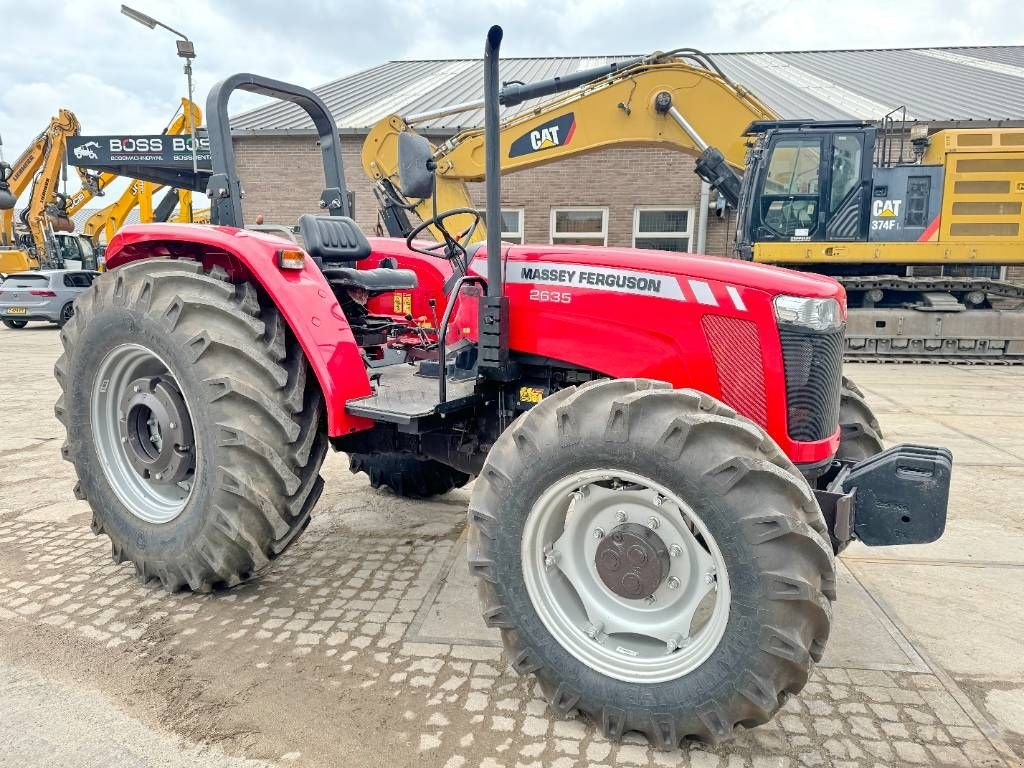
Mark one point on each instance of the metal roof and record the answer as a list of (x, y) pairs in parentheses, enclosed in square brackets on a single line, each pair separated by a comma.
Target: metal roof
[(83, 214), (936, 84)]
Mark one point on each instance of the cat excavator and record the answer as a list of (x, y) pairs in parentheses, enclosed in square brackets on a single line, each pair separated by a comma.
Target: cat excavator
[(832, 197), (48, 240)]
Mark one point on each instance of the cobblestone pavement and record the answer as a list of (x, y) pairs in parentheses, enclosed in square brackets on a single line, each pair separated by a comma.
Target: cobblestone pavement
[(362, 645)]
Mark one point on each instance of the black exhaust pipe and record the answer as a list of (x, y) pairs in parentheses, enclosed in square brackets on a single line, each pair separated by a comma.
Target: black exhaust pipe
[(492, 160), (493, 360)]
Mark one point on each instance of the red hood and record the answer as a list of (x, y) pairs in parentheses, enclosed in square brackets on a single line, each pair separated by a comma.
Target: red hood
[(772, 280)]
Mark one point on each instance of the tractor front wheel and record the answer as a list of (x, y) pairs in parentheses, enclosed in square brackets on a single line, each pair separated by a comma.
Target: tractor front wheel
[(860, 436), (406, 475), (653, 559), (194, 426)]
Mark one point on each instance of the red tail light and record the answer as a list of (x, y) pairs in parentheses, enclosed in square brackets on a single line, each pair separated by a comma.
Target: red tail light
[(47, 294)]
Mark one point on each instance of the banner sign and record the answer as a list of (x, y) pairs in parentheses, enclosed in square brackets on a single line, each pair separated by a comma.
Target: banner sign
[(163, 150)]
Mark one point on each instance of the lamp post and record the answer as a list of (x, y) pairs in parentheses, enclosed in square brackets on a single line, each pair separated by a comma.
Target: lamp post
[(186, 51)]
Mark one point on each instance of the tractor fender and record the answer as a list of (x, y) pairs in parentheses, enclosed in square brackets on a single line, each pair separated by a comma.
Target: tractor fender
[(303, 297)]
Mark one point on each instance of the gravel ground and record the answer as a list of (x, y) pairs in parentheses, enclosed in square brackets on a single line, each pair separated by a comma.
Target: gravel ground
[(363, 646)]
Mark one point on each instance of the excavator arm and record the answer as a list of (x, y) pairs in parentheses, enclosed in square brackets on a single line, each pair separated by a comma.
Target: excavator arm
[(660, 100), (93, 184), (39, 166), (101, 226)]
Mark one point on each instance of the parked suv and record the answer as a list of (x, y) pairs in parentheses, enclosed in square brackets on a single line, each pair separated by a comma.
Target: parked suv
[(46, 295)]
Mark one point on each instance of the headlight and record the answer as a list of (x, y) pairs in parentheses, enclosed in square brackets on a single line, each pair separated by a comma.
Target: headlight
[(817, 314)]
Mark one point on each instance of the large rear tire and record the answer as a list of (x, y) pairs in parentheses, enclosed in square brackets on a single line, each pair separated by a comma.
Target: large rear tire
[(406, 475), (15, 325), (692, 465), (860, 436), (244, 441)]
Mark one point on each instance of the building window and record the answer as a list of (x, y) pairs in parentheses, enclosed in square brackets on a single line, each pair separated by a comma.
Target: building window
[(579, 226), (663, 229), (512, 228)]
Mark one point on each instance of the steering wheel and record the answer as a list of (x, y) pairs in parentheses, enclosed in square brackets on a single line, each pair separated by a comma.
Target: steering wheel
[(453, 245)]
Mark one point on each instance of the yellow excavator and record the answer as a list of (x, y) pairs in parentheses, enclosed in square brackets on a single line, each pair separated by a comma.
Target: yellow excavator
[(104, 224), (633, 103), (838, 197), (48, 240)]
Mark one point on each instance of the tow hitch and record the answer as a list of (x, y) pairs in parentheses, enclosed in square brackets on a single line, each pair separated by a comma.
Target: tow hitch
[(898, 496)]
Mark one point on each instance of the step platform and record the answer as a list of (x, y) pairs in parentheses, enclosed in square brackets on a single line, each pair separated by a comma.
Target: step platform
[(403, 396)]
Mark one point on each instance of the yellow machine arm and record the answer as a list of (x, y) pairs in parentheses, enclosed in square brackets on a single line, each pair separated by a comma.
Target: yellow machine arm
[(94, 184), (39, 166), (626, 108), (101, 226)]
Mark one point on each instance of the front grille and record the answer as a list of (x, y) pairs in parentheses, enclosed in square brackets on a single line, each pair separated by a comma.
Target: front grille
[(736, 347), (814, 369)]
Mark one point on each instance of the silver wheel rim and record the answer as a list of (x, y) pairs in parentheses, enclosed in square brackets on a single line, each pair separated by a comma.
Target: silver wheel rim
[(649, 640), (146, 499)]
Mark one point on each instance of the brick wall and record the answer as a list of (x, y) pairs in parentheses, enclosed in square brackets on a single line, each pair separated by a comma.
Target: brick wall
[(282, 178)]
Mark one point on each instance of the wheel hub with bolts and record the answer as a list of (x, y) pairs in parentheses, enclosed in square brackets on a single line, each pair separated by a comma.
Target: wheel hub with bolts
[(142, 428), (632, 561), (625, 575), (156, 429)]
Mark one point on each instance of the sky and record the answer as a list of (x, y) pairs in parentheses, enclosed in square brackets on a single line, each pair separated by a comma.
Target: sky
[(118, 76)]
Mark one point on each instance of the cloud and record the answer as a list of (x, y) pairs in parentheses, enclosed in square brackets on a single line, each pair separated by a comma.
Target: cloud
[(120, 77)]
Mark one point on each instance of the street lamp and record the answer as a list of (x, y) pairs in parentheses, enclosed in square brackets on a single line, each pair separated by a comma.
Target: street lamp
[(186, 51)]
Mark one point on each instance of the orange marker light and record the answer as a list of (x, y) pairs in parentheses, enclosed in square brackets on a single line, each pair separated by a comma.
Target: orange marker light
[(291, 259)]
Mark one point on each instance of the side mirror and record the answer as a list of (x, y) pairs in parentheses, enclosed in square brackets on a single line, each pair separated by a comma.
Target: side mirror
[(415, 165)]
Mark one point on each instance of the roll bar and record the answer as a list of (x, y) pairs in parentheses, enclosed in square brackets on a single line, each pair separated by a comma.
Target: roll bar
[(224, 188)]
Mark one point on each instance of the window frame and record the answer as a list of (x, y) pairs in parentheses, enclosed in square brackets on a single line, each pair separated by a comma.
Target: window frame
[(688, 234), (601, 236), (521, 234)]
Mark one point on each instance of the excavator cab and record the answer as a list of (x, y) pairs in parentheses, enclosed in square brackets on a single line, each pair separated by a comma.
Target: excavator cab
[(75, 251), (806, 182)]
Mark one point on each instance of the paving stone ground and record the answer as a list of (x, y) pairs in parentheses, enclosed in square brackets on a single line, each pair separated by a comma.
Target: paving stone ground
[(362, 645)]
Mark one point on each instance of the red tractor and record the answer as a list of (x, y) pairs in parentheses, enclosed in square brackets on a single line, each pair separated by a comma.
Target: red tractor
[(660, 473)]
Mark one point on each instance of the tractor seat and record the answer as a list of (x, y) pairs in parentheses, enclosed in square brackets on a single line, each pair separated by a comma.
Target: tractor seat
[(380, 280), (333, 240)]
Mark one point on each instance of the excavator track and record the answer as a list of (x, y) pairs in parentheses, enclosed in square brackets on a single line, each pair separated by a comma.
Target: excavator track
[(982, 290), (942, 319), (968, 337)]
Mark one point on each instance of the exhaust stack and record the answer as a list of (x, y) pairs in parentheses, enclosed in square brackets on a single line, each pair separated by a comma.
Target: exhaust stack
[(493, 360), (492, 160)]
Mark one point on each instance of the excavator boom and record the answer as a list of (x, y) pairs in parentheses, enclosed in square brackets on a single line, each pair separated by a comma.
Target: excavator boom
[(102, 225), (93, 184), (810, 194), (640, 103), (38, 167)]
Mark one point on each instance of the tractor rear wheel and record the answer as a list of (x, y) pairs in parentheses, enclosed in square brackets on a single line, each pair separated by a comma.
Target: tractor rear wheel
[(653, 559), (193, 423), (15, 325), (860, 436), (406, 475)]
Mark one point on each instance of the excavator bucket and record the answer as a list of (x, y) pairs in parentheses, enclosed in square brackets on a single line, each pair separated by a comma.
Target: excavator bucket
[(7, 198)]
